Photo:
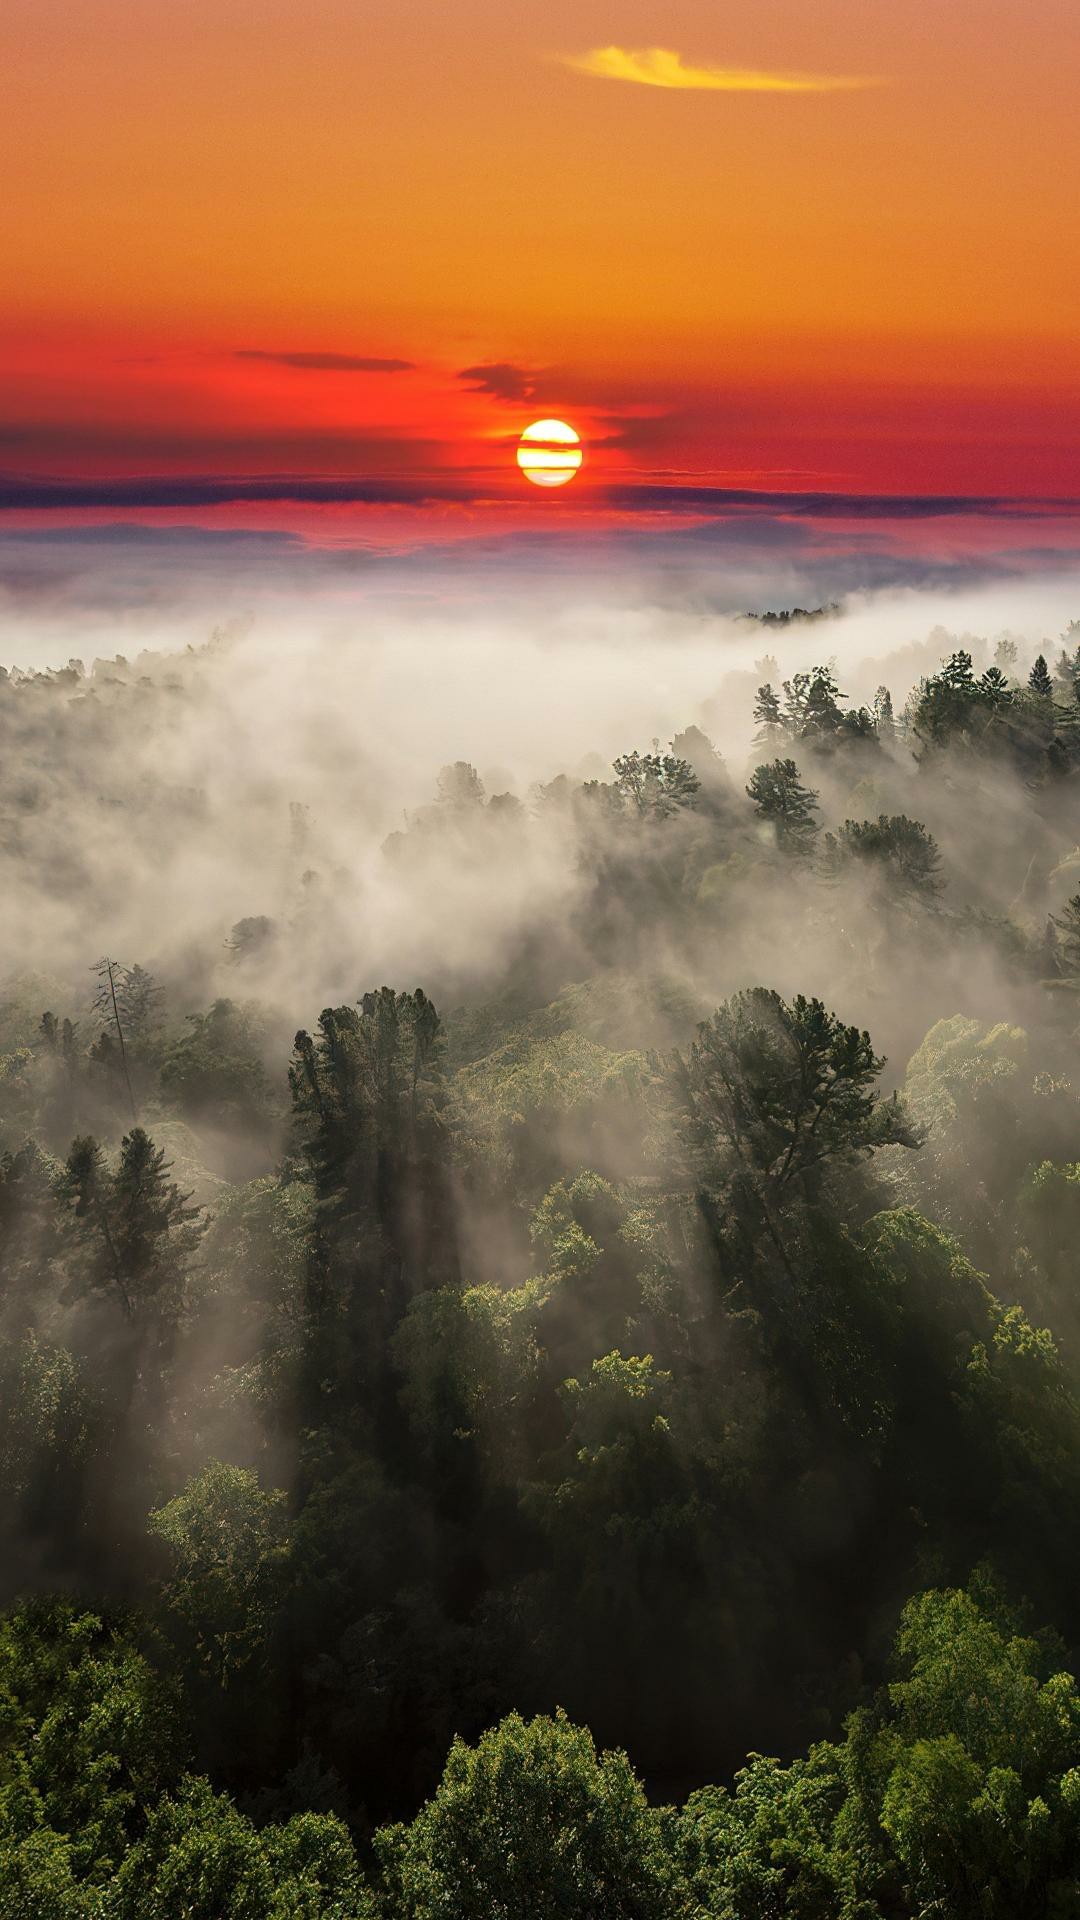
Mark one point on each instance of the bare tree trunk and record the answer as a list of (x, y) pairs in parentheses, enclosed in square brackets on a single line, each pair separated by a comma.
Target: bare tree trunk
[(123, 1049)]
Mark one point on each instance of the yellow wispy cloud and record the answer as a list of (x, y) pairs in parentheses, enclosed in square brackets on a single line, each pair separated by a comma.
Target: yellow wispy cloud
[(660, 67)]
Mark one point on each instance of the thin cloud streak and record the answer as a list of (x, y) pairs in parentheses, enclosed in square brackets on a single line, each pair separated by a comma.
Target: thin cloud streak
[(22, 492), (326, 362), (663, 67)]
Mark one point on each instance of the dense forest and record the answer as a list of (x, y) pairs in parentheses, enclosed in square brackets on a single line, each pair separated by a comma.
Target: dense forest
[(540, 1364)]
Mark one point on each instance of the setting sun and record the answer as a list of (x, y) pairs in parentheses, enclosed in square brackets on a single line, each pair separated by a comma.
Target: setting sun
[(549, 453)]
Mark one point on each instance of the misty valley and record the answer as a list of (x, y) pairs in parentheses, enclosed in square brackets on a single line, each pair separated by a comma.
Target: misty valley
[(540, 1364)]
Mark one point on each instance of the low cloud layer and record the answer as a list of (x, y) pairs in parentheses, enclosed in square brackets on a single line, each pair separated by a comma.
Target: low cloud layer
[(112, 585), (261, 776)]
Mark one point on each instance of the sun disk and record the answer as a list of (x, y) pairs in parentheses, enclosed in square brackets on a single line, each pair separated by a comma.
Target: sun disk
[(549, 453)]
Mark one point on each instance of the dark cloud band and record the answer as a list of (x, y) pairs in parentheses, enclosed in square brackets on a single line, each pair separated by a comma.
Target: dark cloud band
[(326, 362), (23, 491)]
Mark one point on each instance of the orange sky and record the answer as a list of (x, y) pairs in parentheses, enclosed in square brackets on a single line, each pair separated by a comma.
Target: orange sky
[(874, 288)]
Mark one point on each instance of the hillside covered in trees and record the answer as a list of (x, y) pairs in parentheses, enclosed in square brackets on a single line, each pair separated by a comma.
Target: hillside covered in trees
[(540, 1363)]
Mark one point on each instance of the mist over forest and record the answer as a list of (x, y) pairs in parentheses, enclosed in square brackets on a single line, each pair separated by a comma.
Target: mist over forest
[(539, 1166)]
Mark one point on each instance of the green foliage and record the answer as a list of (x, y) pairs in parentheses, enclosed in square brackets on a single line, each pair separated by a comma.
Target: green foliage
[(29, 1234), (368, 1095), (959, 712), (50, 1420), (969, 1764), (200, 1858), (655, 785), (897, 846), (368, 1098), (229, 1553), (649, 1382), (1039, 679), (767, 718), (215, 1073), (531, 1821), (769, 1847), (989, 1114), (89, 1734), (133, 1229), (38, 1879), (520, 1105), (469, 1361), (776, 1092), (950, 701), (784, 804)]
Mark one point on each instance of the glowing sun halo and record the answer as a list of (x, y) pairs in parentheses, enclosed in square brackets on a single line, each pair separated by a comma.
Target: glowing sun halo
[(549, 453)]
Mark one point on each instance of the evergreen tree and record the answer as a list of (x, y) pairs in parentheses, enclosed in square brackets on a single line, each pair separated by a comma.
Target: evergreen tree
[(779, 1091), (140, 999), (767, 719), (796, 697), (694, 749), (1039, 679), (1067, 923), (29, 1238), (781, 799), (821, 715), (949, 702), (108, 1000), (1067, 673), (368, 1099), (993, 687), (136, 1232), (884, 717), (655, 785), (900, 845)]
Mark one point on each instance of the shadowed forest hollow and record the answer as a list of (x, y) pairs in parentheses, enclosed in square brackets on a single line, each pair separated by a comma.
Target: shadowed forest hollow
[(541, 1339)]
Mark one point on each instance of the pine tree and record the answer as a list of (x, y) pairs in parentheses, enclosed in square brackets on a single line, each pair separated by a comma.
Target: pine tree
[(958, 672), (1039, 679), (1067, 674), (949, 702), (779, 1090), (108, 1000), (140, 998), (822, 718), (780, 798), (29, 1229), (796, 695), (694, 749), (135, 1231), (900, 845), (884, 717), (768, 719), (655, 785), (368, 1094), (1067, 923)]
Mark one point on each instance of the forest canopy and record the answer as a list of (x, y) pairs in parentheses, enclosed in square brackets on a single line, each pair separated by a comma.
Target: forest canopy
[(583, 1419)]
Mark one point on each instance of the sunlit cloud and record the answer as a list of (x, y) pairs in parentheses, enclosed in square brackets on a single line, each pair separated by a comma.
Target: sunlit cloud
[(661, 67)]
